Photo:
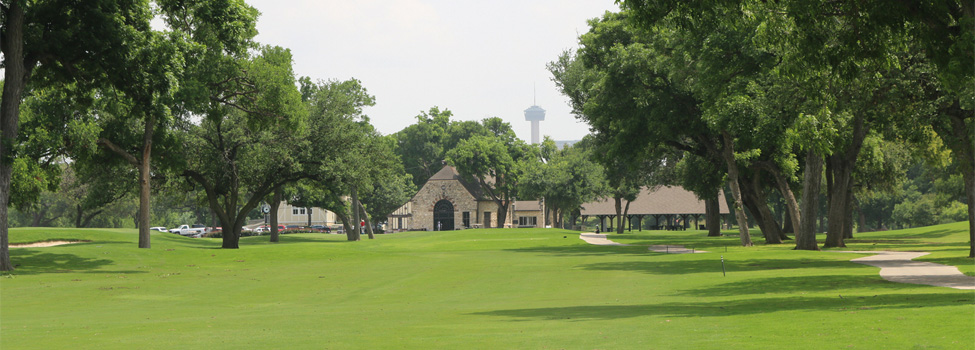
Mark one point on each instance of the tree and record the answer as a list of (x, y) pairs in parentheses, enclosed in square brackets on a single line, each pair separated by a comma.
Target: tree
[(565, 179), (241, 132), (142, 97), (645, 88), (391, 185), (496, 163), (423, 145), (87, 45)]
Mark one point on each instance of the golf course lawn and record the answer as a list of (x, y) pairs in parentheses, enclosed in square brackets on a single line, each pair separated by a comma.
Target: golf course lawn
[(475, 289)]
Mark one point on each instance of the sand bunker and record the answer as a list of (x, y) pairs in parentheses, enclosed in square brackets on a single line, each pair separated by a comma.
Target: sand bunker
[(44, 244)]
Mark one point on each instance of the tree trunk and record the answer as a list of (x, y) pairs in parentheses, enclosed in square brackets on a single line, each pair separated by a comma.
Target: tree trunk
[(16, 73), (848, 219), (792, 206), (970, 192), (503, 206), (355, 234), (231, 239), (755, 200), (365, 215), (955, 131), (729, 157), (842, 165), (144, 176), (712, 211), (621, 212), (806, 231), (838, 206), (275, 205), (345, 223), (38, 216), (861, 219), (87, 220), (787, 225)]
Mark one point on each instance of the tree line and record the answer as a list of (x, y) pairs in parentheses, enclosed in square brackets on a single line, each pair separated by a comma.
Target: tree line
[(765, 99), (99, 98), (783, 96)]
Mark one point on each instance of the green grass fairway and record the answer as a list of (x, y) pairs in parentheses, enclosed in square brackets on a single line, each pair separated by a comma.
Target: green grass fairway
[(474, 289)]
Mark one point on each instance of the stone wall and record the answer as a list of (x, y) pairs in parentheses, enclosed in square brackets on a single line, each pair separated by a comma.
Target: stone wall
[(434, 191)]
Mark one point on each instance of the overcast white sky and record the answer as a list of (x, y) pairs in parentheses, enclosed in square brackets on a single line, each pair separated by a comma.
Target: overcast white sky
[(476, 58)]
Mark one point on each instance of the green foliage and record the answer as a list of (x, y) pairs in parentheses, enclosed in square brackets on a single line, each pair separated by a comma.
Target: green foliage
[(423, 146), (496, 162), (567, 179)]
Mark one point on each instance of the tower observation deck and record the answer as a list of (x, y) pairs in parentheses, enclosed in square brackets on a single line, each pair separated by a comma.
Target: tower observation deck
[(535, 114)]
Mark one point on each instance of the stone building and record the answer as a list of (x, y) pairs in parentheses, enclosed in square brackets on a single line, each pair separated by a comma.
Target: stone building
[(447, 202)]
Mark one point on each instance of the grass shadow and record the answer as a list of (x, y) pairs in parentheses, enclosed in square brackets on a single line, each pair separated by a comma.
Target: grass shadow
[(583, 250), (796, 285), (736, 307), (714, 266), (30, 261)]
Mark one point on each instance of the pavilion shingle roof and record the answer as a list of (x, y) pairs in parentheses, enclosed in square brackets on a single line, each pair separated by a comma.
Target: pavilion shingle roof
[(663, 200)]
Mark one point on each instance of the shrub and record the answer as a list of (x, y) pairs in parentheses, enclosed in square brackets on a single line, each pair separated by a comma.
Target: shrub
[(954, 212)]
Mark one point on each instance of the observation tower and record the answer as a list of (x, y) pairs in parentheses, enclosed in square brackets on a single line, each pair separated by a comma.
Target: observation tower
[(535, 114)]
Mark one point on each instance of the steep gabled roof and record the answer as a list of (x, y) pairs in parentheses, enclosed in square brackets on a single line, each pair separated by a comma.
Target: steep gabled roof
[(663, 200), (449, 173)]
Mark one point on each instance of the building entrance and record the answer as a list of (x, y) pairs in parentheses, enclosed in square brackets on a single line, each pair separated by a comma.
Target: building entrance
[(443, 216)]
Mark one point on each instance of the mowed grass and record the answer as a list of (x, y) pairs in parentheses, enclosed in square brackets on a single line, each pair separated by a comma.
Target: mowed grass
[(474, 289)]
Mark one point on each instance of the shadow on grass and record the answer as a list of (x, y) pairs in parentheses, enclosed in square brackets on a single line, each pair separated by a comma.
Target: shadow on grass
[(798, 284), (736, 307), (216, 243), (28, 261), (714, 266), (583, 249)]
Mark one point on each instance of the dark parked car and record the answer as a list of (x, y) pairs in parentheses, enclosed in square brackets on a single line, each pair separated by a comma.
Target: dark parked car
[(322, 228)]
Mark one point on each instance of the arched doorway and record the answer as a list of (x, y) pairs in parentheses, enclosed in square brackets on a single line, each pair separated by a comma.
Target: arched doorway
[(443, 216)]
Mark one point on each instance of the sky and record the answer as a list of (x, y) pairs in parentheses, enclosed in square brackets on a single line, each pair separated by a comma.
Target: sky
[(478, 59)]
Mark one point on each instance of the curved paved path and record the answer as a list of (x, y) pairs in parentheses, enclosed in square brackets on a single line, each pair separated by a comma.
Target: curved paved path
[(894, 266), (899, 267), (598, 239)]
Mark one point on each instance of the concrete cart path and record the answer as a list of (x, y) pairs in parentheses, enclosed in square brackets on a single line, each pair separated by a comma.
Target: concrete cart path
[(899, 267), (598, 239)]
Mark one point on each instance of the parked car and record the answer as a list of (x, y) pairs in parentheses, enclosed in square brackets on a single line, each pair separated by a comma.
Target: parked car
[(186, 230), (158, 228), (322, 228)]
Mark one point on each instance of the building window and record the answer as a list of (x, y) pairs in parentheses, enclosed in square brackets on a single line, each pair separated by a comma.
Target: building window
[(301, 211), (399, 223), (294, 211), (467, 219), (527, 221)]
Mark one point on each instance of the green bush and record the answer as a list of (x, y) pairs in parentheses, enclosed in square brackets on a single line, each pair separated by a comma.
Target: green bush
[(954, 212)]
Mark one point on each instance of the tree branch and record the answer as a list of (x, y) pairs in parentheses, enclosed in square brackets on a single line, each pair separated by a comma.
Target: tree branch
[(118, 150)]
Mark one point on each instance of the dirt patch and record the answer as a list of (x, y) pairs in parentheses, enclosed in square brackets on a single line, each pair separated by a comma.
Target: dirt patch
[(45, 244)]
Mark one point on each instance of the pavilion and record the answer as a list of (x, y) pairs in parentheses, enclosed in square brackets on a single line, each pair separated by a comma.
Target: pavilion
[(671, 207)]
